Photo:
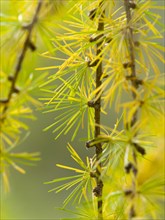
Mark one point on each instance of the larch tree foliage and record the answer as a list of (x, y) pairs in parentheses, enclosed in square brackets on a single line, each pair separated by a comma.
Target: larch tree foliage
[(23, 28), (107, 57)]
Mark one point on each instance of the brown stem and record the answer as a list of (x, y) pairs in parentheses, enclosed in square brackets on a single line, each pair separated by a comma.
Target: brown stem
[(27, 44), (97, 108), (130, 38)]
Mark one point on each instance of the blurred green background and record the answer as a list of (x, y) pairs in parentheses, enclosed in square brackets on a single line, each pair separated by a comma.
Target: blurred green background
[(28, 197)]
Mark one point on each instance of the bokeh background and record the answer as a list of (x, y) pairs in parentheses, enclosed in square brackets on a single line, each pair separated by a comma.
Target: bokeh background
[(28, 197)]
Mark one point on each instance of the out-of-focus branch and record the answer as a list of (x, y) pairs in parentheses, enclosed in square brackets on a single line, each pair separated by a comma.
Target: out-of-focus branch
[(129, 5), (27, 44)]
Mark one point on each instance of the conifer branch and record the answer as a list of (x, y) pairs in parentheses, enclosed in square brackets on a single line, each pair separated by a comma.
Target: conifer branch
[(99, 188), (97, 110), (129, 5), (27, 44)]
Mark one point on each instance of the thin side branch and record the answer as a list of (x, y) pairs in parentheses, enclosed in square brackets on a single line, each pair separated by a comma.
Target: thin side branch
[(135, 84), (27, 44)]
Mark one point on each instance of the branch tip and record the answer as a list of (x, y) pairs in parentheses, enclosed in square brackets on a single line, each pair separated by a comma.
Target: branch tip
[(92, 14), (132, 4), (128, 192), (32, 46), (128, 167), (4, 101), (139, 149), (93, 39), (93, 174), (133, 78), (97, 191), (108, 40), (127, 64), (91, 104), (10, 78), (16, 90), (92, 63), (90, 144)]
